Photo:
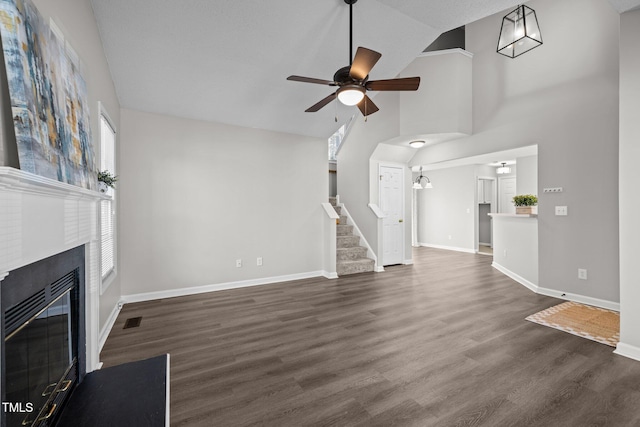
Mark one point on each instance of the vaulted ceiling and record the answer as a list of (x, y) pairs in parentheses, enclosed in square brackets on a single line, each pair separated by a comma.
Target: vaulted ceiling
[(227, 61)]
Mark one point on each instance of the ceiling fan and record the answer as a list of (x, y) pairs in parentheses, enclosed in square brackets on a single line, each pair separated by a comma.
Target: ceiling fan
[(353, 81)]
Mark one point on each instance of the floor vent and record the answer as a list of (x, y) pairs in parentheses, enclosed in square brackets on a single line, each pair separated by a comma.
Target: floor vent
[(133, 322)]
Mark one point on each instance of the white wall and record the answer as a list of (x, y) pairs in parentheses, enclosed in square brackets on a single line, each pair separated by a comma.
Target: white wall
[(196, 196), (442, 104), (562, 96), (527, 175), (75, 19), (448, 209), (629, 179)]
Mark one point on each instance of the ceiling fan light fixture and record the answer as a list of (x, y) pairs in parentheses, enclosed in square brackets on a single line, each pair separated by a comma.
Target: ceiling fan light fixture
[(417, 144), (351, 94)]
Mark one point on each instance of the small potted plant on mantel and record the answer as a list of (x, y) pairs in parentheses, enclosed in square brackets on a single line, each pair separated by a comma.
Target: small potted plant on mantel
[(526, 204), (106, 180)]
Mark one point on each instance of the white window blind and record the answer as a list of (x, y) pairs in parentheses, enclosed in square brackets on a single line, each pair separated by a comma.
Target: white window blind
[(107, 211)]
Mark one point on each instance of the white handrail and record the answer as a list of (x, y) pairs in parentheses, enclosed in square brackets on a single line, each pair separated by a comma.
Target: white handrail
[(331, 213), (376, 210)]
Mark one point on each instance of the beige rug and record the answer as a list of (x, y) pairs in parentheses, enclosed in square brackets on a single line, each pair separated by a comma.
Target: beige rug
[(596, 324)]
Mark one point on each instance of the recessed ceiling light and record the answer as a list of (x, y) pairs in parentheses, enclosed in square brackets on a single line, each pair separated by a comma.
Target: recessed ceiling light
[(417, 144)]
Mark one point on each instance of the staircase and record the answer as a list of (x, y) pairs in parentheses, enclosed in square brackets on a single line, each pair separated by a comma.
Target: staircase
[(351, 258)]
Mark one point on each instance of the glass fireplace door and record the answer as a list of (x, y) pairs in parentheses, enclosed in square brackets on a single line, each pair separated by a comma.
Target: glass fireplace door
[(38, 356)]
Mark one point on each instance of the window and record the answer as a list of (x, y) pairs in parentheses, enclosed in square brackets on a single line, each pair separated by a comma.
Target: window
[(107, 207)]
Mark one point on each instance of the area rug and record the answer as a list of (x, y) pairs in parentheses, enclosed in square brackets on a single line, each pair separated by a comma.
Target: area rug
[(596, 324)]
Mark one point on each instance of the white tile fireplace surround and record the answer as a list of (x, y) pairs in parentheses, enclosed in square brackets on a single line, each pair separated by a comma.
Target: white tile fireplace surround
[(40, 217)]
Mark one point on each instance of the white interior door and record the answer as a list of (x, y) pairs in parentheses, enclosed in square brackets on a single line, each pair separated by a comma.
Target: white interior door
[(507, 189), (392, 204)]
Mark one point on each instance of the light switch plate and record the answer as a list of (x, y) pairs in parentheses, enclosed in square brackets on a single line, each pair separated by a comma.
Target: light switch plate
[(561, 211)]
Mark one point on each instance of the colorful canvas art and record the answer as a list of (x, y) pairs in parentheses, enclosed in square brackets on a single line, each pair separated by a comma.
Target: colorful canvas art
[(48, 98)]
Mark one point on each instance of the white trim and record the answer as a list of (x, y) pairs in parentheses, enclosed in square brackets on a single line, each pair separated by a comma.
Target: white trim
[(596, 302), (627, 350), (376, 210), (446, 52), (108, 325), (171, 293), (331, 213), (328, 275), (447, 248), (378, 269), (531, 286), (407, 262)]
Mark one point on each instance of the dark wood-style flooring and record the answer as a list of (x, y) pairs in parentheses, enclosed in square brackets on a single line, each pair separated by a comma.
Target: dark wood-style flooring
[(440, 343)]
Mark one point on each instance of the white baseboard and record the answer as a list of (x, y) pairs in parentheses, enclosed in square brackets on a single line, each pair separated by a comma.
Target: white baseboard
[(171, 293), (448, 248), (596, 302), (532, 286), (407, 262), (328, 275), (379, 269), (626, 350), (106, 329)]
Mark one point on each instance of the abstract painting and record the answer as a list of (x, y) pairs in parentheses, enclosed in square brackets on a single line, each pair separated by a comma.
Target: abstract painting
[(49, 99)]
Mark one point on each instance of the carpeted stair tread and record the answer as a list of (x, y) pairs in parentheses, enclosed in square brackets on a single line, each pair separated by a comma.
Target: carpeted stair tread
[(361, 265), (350, 254), (344, 230)]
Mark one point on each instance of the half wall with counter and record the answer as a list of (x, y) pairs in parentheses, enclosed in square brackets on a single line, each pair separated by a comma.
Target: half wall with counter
[(515, 247)]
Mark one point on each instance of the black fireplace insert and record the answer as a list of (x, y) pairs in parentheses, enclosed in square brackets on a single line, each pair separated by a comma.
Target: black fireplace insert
[(43, 339)]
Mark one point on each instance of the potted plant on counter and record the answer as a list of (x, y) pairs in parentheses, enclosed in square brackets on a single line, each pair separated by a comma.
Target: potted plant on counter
[(526, 204), (106, 180)]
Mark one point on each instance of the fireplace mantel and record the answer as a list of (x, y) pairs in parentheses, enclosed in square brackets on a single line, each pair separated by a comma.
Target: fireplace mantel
[(40, 217)]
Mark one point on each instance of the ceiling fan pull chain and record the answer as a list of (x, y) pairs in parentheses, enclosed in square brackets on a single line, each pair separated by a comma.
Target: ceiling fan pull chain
[(365, 109), (336, 102)]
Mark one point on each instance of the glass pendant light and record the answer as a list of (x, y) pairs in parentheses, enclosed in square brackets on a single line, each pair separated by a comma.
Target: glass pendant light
[(520, 32), (417, 184)]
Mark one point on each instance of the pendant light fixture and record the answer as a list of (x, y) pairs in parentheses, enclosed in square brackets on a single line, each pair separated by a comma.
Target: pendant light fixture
[(417, 144), (503, 169), (417, 184), (519, 33)]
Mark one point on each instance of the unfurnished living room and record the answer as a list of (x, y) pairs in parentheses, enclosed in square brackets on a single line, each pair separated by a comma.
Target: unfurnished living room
[(338, 212)]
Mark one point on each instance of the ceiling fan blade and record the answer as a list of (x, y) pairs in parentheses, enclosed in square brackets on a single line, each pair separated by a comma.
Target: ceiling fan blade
[(311, 80), (408, 83), (367, 106), (315, 107), (363, 62)]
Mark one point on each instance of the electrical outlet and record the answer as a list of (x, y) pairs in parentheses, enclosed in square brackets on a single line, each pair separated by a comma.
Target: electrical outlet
[(582, 274), (259, 261), (238, 263), (561, 211)]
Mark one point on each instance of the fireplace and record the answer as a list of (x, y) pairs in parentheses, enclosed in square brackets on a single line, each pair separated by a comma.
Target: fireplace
[(43, 336)]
